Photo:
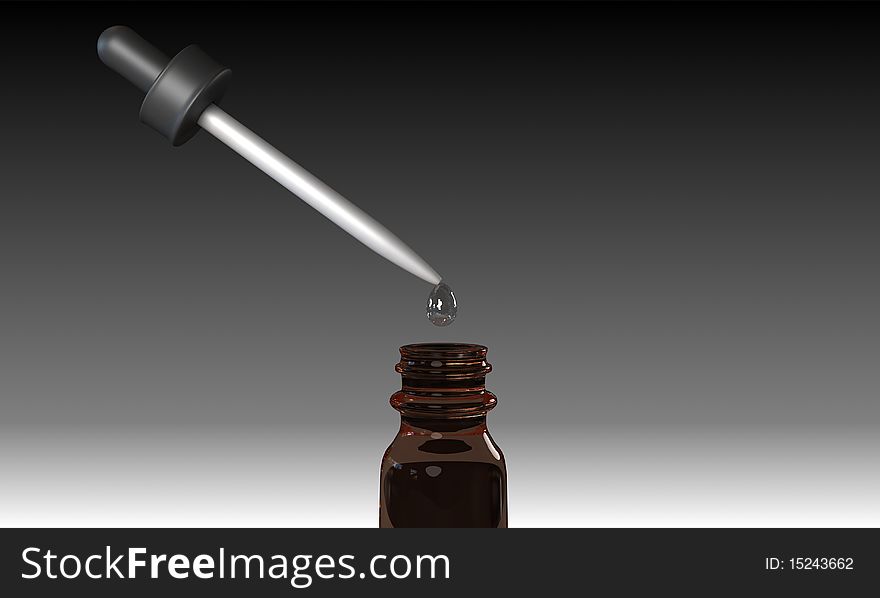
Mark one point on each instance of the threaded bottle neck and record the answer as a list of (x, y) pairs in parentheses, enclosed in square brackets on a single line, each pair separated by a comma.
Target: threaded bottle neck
[(443, 365), (443, 380)]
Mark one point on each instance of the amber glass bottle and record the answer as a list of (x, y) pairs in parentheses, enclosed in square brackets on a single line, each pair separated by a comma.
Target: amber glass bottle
[(443, 469)]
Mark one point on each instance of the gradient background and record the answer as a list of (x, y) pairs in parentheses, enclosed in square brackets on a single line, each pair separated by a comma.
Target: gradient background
[(662, 220)]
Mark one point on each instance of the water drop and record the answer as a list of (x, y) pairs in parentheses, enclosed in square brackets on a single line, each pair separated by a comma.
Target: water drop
[(442, 307), (433, 470)]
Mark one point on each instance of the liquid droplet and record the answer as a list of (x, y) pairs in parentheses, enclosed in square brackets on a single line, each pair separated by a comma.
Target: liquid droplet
[(433, 470), (442, 307)]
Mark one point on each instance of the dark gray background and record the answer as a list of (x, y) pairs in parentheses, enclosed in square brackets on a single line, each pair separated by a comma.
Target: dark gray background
[(661, 220)]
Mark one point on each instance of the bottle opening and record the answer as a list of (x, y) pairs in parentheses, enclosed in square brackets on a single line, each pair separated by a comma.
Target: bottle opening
[(443, 361)]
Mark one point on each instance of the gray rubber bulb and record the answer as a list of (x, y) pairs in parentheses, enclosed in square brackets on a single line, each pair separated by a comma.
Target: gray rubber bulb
[(131, 56), (177, 90)]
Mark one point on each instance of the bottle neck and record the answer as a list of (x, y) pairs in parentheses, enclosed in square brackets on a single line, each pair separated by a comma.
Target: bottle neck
[(443, 381), (433, 402), (443, 387)]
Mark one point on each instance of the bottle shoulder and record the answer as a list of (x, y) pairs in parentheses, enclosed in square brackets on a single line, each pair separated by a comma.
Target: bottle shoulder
[(436, 446)]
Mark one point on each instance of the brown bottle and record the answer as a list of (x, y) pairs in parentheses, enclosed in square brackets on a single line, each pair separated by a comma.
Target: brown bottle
[(443, 469)]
